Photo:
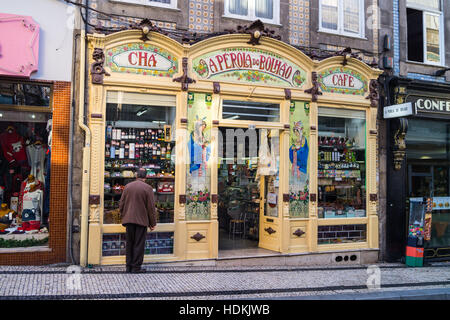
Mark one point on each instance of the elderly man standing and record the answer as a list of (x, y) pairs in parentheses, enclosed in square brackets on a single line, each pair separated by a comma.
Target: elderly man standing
[(137, 209)]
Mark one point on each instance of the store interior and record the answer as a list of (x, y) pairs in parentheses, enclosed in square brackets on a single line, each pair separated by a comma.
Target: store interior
[(239, 186)]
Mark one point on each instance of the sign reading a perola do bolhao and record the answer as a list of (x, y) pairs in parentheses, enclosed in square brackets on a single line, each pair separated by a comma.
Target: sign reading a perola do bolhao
[(342, 80), (142, 59), (249, 65)]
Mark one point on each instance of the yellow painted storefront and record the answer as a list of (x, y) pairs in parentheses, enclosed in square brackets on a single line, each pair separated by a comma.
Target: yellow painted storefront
[(198, 238)]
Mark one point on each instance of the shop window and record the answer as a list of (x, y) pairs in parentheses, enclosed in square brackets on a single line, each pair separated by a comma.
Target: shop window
[(250, 111), (155, 243), (425, 34), (25, 140), (428, 159), (267, 11), (198, 170), (345, 17), (342, 163), (157, 3), (139, 134), (342, 234), (299, 160), (25, 94)]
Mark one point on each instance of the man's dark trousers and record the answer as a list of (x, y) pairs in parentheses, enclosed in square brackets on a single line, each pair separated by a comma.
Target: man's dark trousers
[(135, 235)]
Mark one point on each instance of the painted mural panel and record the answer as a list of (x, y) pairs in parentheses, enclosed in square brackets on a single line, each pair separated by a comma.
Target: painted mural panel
[(141, 58), (198, 180), (299, 159), (249, 65)]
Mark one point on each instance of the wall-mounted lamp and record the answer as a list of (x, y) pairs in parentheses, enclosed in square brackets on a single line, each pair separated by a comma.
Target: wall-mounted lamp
[(441, 72)]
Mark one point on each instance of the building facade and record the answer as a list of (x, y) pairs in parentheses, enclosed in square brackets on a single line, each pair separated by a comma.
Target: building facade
[(35, 125), (416, 146), (176, 95)]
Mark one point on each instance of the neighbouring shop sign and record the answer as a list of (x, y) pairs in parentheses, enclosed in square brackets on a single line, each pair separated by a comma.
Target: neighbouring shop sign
[(342, 80), (249, 65), (19, 45), (142, 59), (398, 110), (430, 105)]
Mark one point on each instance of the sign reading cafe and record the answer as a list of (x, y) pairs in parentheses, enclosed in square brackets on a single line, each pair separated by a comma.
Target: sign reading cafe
[(342, 80), (142, 59), (249, 65)]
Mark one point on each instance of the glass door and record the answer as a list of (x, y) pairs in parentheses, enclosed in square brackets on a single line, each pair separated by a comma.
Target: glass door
[(268, 175)]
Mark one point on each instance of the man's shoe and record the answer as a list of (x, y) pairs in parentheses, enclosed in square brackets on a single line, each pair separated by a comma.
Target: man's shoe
[(139, 271)]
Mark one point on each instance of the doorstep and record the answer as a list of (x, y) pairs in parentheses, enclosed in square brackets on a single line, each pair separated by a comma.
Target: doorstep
[(271, 258)]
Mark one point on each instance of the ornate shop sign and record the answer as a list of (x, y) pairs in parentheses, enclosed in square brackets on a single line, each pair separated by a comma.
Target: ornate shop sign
[(142, 59), (342, 80), (19, 45), (249, 65), (429, 105)]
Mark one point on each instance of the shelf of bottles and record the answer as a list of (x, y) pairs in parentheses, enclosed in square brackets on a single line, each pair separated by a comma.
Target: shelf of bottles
[(341, 178), (128, 149)]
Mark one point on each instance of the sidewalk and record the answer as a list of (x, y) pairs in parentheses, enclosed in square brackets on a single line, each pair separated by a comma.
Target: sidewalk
[(200, 283)]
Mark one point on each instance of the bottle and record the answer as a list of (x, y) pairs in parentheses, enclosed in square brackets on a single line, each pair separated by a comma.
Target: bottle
[(136, 151), (132, 151), (163, 152), (153, 135), (127, 151), (108, 151), (109, 132), (168, 152), (158, 150)]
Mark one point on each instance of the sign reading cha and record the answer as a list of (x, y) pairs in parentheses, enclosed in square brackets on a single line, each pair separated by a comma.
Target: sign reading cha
[(142, 59)]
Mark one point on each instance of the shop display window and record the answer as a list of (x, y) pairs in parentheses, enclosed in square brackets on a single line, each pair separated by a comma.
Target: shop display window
[(428, 159), (14, 93), (155, 243), (341, 163), (25, 141), (139, 134), (342, 234)]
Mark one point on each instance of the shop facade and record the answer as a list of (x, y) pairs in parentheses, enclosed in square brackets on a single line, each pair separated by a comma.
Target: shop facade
[(34, 139), (419, 160), (248, 140)]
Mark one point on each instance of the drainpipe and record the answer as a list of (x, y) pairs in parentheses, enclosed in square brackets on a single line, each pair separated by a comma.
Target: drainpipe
[(86, 151)]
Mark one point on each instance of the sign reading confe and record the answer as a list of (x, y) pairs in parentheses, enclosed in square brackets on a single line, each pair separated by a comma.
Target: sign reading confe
[(342, 80), (430, 105), (249, 65), (143, 59)]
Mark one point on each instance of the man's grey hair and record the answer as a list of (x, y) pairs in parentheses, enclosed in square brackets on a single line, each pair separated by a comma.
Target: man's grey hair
[(141, 173)]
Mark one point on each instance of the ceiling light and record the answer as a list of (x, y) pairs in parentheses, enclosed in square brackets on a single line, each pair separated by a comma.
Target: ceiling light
[(141, 112)]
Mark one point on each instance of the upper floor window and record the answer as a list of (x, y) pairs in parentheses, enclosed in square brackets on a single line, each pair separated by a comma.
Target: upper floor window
[(158, 3), (267, 11), (345, 17), (425, 31)]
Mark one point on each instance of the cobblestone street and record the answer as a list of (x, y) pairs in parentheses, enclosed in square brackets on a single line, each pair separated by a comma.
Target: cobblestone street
[(56, 282)]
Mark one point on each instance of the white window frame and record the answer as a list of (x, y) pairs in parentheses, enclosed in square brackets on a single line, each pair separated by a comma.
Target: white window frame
[(172, 5), (340, 29), (251, 16), (432, 12)]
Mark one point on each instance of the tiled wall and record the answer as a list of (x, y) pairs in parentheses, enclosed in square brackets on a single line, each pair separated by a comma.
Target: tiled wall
[(58, 186), (299, 22), (117, 22), (201, 15)]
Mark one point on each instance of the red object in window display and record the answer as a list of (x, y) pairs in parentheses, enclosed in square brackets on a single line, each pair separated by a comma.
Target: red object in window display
[(165, 187), (13, 146)]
